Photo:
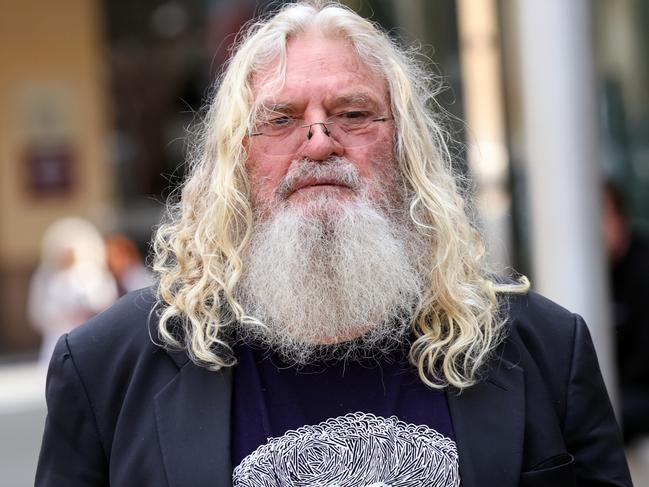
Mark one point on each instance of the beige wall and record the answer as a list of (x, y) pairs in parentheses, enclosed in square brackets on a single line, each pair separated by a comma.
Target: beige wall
[(52, 63)]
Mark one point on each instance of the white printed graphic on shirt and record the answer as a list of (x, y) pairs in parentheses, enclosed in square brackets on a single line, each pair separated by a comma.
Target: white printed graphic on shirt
[(355, 450)]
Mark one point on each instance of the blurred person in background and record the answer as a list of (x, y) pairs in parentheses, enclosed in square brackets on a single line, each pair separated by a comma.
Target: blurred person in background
[(324, 314), (628, 256), (125, 264), (72, 282)]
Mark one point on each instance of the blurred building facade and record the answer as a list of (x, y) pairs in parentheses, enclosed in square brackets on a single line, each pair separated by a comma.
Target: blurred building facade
[(98, 97), (54, 98)]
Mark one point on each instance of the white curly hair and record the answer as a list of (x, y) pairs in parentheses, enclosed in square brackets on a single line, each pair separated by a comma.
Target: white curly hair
[(198, 250)]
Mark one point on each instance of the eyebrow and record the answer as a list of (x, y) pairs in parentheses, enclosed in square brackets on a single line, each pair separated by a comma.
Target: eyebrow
[(279, 107)]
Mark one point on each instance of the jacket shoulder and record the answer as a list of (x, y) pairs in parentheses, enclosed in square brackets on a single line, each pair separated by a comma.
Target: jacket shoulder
[(540, 325), (125, 327), (117, 351), (113, 357)]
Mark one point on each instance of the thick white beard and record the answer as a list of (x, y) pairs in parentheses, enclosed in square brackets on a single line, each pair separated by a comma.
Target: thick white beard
[(344, 286)]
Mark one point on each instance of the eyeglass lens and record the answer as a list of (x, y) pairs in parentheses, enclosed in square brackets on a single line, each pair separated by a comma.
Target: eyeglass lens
[(290, 141)]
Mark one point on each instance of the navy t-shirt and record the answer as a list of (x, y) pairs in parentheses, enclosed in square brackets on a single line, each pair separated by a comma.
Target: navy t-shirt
[(368, 423)]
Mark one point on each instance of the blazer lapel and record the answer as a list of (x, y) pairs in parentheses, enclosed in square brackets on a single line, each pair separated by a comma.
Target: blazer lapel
[(193, 419), (489, 421)]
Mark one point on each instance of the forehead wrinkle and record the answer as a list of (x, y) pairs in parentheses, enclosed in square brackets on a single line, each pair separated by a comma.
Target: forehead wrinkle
[(356, 87)]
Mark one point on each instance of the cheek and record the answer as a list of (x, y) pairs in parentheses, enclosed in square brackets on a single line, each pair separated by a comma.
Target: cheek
[(366, 161), (375, 163), (265, 173)]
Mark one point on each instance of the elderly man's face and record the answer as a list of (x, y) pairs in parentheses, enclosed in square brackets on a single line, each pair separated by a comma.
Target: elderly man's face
[(324, 78)]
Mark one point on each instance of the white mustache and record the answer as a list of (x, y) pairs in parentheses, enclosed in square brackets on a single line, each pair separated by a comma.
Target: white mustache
[(335, 170)]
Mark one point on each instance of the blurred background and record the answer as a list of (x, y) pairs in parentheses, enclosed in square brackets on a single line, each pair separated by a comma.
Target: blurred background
[(548, 101)]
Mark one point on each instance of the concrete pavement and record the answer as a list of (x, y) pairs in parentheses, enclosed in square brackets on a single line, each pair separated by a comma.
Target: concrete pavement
[(22, 416)]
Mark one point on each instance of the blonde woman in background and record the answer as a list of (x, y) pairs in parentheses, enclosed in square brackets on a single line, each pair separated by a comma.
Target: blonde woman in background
[(72, 282)]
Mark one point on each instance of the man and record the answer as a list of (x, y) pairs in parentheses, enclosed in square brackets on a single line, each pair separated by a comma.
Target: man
[(323, 316), (628, 258)]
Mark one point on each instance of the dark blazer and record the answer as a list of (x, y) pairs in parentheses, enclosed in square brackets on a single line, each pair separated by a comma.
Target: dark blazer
[(124, 412)]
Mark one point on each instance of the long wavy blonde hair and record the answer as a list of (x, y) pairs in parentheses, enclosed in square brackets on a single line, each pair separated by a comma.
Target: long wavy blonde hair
[(198, 249)]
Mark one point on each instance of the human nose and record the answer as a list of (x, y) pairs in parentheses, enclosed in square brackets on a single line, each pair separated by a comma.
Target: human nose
[(319, 143)]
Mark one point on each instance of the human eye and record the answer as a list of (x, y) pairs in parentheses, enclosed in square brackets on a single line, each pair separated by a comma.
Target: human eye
[(353, 119), (281, 121), (277, 124), (355, 115)]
